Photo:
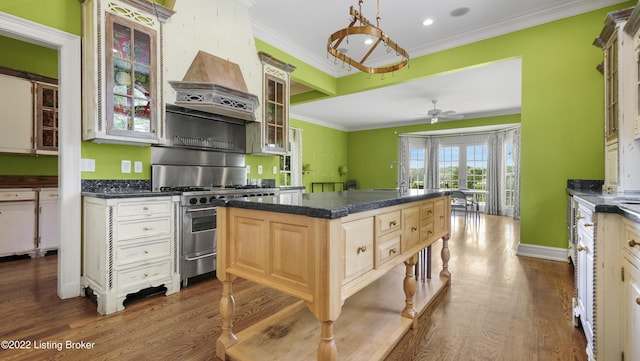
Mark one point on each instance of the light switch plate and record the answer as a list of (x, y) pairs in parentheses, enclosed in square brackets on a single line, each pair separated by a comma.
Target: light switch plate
[(275, 170), (259, 169), (248, 169), (87, 165), (137, 167), (125, 166)]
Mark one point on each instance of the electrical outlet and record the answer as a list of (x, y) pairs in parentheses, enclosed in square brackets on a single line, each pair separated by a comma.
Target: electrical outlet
[(259, 169), (125, 166), (137, 167), (248, 169), (275, 170)]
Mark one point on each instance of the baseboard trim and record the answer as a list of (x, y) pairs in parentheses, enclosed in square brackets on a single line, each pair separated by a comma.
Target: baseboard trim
[(550, 253)]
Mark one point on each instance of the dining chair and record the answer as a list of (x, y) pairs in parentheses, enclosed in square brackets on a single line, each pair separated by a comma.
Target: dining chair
[(459, 202)]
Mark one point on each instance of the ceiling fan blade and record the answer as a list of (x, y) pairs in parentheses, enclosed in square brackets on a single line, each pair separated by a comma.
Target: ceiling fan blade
[(452, 116)]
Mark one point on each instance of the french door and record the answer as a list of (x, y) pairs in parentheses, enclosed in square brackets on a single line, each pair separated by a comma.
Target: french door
[(463, 166)]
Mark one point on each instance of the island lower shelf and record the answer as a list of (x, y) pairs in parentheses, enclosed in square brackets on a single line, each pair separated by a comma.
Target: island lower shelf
[(368, 328), (328, 263)]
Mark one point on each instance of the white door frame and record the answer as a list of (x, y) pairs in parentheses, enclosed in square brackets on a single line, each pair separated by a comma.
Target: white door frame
[(69, 79)]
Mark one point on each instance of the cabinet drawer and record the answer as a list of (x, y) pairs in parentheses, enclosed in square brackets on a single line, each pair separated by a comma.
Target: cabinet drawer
[(426, 209), (426, 230), (137, 278), (388, 222), (141, 252), (143, 209), (388, 248), (358, 247), (632, 239), (10, 196), (49, 195), (143, 228), (584, 219)]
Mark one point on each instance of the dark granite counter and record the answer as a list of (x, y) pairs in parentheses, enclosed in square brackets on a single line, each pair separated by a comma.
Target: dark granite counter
[(626, 204), (127, 193), (331, 205)]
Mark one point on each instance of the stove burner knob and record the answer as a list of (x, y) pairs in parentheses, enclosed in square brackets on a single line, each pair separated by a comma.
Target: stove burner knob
[(211, 199), (203, 200), (193, 201)]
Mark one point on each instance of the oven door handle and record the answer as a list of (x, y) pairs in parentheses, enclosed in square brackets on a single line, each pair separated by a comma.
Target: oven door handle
[(200, 257), (201, 209)]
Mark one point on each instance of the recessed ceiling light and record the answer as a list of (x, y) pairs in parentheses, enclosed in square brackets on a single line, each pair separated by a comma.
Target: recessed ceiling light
[(427, 22), (459, 11)]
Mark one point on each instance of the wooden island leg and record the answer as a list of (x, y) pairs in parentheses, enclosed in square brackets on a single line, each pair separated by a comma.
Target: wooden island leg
[(409, 286), (327, 350), (227, 308), (445, 257)]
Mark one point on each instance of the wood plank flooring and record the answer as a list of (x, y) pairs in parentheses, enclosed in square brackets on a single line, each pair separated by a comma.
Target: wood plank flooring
[(499, 307)]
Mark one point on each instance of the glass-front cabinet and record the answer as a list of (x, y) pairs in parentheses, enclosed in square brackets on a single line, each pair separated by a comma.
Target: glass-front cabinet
[(46, 117), (271, 136), (122, 87)]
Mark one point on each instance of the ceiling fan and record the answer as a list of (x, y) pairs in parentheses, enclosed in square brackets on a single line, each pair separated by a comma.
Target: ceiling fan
[(437, 114)]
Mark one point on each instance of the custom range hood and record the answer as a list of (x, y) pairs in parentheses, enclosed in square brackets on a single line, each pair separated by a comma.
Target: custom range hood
[(215, 85)]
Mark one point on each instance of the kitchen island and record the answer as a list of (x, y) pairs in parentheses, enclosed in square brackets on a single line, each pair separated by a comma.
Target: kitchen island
[(343, 254)]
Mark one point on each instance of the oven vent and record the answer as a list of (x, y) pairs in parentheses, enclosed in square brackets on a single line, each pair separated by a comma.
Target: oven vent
[(215, 85), (206, 143)]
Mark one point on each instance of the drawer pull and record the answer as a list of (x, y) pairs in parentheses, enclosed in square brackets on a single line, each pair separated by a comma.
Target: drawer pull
[(579, 217), (638, 300), (581, 248), (393, 251), (146, 275), (429, 232), (429, 212), (145, 208), (413, 229), (588, 224), (633, 243), (146, 251), (147, 228), (362, 249), (392, 223)]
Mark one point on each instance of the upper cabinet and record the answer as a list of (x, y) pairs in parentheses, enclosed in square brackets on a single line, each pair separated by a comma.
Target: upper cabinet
[(30, 113), (271, 136), (122, 77), (621, 112)]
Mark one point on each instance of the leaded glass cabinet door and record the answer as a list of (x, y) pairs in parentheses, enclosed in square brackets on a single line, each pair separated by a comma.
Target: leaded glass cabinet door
[(275, 122), (131, 78), (47, 122)]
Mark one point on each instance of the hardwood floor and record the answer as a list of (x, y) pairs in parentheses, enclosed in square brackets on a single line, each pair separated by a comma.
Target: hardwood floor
[(499, 307)]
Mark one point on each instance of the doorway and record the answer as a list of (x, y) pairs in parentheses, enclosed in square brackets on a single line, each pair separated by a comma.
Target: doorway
[(69, 79)]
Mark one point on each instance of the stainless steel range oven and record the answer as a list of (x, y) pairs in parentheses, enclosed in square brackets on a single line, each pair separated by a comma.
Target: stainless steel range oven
[(198, 241)]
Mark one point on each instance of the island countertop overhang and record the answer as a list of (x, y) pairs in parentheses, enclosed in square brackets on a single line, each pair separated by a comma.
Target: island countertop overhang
[(331, 205)]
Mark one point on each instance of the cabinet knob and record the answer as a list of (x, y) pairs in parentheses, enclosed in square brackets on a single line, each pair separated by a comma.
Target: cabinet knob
[(579, 217), (633, 243), (362, 249), (429, 212), (393, 251), (146, 275), (392, 223), (145, 208), (581, 248), (146, 252), (588, 224), (413, 229), (429, 232), (146, 228), (638, 300)]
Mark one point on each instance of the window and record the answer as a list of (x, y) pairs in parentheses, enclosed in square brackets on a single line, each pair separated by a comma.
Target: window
[(416, 168), (448, 167), (509, 177)]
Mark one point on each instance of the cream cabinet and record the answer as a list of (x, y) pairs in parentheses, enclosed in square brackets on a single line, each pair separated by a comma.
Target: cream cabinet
[(17, 222), (271, 135), (16, 102), (584, 302), (122, 70), (630, 298), (621, 48), (48, 221), (129, 245)]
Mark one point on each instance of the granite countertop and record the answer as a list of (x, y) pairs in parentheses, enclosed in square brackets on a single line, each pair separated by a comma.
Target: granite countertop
[(332, 205), (626, 204), (127, 193)]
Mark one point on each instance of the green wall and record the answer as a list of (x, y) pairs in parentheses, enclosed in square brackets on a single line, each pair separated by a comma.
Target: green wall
[(561, 118)]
